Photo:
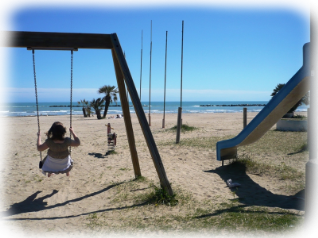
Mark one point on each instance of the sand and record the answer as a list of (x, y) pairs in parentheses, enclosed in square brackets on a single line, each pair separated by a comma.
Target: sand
[(34, 204)]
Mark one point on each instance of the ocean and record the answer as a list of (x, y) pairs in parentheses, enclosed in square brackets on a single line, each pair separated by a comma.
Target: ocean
[(62, 108)]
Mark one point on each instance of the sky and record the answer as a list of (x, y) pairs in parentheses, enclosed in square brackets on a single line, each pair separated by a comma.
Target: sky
[(230, 53)]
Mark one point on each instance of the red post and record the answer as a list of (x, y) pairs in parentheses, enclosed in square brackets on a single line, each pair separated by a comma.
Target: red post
[(109, 130)]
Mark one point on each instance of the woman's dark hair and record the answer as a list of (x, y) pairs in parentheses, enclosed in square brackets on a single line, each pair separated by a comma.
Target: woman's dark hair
[(57, 131)]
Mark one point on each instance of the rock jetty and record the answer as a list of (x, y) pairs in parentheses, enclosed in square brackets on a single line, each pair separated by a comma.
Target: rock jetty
[(82, 106), (234, 105)]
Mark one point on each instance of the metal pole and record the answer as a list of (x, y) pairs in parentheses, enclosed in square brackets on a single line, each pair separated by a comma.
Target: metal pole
[(150, 73), (179, 122), (141, 64), (127, 95), (164, 100), (181, 64)]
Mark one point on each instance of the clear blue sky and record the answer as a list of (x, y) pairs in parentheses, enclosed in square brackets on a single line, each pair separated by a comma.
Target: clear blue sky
[(230, 54)]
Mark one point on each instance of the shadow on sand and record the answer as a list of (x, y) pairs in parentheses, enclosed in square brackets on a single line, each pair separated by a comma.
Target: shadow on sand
[(252, 194), (34, 204), (98, 155)]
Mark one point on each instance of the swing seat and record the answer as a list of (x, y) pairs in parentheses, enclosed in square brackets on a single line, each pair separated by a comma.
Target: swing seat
[(57, 166)]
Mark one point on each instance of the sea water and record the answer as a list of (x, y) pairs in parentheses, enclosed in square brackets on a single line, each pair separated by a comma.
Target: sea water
[(63, 108)]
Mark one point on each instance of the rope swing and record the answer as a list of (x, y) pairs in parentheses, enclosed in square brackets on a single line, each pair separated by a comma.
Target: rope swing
[(37, 102)]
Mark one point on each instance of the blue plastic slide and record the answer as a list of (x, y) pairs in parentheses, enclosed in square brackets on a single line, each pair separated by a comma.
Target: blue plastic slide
[(275, 109)]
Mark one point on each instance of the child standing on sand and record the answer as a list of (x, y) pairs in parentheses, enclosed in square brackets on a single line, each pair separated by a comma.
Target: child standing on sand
[(58, 159)]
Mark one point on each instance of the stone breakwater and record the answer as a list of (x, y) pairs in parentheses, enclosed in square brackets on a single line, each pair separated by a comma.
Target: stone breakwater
[(234, 105), (82, 106)]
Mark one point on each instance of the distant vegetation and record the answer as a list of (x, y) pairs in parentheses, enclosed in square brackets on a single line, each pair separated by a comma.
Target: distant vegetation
[(100, 103), (303, 100)]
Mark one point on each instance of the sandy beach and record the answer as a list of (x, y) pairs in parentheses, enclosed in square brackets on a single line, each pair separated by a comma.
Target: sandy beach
[(100, 196)]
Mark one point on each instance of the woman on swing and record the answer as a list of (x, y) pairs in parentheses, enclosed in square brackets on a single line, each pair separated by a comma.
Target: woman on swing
[(58, 159)]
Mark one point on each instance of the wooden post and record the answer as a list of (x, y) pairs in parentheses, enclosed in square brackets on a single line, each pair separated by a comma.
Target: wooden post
[(127, 118), (179, 124), (311, 199), (244, 117), (121, 64)]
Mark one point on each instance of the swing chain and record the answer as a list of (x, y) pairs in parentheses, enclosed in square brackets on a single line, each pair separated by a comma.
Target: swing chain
[(71, 97), (36, 97)]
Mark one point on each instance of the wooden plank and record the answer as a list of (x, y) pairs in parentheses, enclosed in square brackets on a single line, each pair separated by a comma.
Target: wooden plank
[(141, 116), (58, 40), (127, 118), (244, 117), (179, 124)]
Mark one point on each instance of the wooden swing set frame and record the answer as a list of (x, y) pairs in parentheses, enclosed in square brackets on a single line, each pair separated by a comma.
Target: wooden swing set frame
[(75, 41)]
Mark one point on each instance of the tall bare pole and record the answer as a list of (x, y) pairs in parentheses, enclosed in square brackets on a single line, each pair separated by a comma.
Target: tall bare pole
[(141, 64), (181, 64), (164, 100), (179, 120), (150, 73), (126, 88)]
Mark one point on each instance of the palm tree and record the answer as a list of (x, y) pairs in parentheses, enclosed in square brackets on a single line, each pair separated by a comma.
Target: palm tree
[(303, 100), (110, 96), (84, 103), (97, 105), (88, 108)]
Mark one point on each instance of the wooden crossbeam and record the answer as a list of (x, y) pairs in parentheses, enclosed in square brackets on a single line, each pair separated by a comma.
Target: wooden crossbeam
[(59, 40)]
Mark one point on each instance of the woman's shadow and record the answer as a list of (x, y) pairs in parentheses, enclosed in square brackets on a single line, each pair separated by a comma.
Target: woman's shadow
[(30, 204), (252, 194)]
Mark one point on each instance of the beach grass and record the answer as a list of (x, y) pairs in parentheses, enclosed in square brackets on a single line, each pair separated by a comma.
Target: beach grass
[(282, 171), (188, 214), (184, 128), (201, 142), (278, 141), (193, 215)]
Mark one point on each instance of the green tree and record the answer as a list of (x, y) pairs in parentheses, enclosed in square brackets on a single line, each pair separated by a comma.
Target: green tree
[(97, 105), (303, 100), (84, 104), (88, 109), (110, 96)]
